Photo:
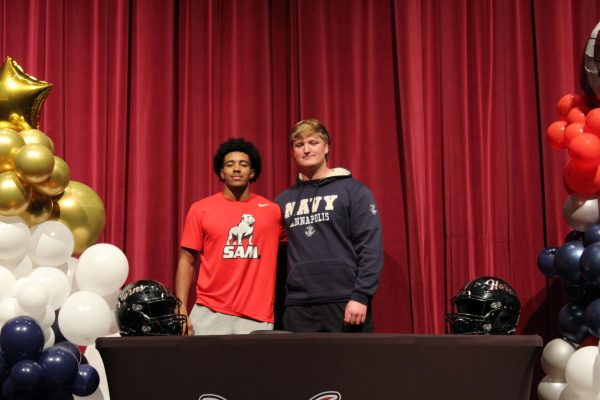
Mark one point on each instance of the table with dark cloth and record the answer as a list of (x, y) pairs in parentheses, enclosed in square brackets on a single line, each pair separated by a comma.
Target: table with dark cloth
[(324, 366)]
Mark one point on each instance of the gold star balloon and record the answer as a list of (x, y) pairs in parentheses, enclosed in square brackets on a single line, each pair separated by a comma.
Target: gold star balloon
[(21, 97)]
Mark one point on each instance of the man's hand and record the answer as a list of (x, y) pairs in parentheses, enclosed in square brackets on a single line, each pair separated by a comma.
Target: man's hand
[(355, 313), (183, 282), (190, 327)]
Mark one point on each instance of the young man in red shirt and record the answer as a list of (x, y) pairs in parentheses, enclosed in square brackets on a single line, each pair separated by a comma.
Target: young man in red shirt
[(235, 234)]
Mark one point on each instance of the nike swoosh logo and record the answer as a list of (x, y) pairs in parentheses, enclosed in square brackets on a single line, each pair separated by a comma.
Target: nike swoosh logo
[(262, 205)]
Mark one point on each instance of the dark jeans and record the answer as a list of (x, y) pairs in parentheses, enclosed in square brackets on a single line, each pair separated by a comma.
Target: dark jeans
[(328, 317)]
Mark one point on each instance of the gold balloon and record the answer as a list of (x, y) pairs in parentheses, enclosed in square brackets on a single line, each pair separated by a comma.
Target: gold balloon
[(82, 211), (21, 95), (31, 136), (9, 125), (58, 181), (10, 143), (34, 163), (14, 194), (18, 121), (38, 211)]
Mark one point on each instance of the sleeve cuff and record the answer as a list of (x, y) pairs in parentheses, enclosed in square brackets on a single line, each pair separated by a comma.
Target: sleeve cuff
[(361, 298)]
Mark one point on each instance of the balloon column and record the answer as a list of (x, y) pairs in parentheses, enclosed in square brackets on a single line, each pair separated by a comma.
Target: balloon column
[(573, 372), (50, 302)]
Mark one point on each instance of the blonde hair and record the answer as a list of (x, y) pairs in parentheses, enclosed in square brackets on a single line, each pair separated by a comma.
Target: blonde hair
[(308, 127)]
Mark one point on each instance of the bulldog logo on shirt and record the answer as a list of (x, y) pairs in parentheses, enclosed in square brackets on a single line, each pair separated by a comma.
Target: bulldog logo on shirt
[(244, 231)]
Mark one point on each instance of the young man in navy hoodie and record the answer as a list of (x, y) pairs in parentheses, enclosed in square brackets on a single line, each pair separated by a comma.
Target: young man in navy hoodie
[(334, 250)]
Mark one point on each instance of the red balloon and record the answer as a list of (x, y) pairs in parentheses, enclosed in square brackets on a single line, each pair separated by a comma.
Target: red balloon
[(592, 121), (585, 148), (577, 114), (572, 131), (582, 178), (567, 102), (556, 134)]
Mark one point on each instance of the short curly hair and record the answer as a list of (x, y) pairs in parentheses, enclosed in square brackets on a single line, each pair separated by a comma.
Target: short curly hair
[(243, 146)]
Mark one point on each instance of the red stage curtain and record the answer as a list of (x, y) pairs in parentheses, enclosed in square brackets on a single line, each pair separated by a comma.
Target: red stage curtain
[(441, 107)]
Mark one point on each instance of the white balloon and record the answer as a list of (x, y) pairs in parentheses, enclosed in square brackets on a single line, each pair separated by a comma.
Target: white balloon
[(51, 243), (69, 269), (583, 371), (549, 390), (49, 338), (95, 360), (102, 268), (111, 300), (21, 268), (569, 394), (97, 395), (38, 316), (56, 282), (33, 296), (581, 213), (84, 317), (554, 358), (72, 263), (49, 318), (9, 308), (18, 283), (14, 238), (7, 283)]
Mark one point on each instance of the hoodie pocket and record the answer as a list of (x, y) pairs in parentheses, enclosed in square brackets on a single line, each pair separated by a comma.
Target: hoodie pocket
[(320, 280)]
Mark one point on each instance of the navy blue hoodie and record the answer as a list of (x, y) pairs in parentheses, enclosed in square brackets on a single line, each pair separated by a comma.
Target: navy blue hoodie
[(334, 251)]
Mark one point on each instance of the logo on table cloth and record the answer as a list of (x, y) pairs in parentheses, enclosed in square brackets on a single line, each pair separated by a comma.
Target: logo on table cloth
[(327, 396), (321, 396), (239, 240)]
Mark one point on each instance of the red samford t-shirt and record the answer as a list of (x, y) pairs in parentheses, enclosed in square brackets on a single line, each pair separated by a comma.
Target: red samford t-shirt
[(237, 242)]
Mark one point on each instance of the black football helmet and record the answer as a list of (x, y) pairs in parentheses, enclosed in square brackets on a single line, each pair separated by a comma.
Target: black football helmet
[(147, 308), (485, 306)]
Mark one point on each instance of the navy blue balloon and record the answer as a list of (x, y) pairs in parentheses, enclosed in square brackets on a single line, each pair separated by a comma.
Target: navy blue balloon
[(545, 261), (21, 338), (592, 235), (580, 291), (566, 260), (571, 322), (26, 376), (71, 348), (573, 236), (59, 366), (8, 391), (589, 264), (87, 381), (592, 318), (4, 368)]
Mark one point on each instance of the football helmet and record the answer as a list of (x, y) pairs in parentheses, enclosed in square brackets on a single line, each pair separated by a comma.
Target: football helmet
[(485, 306), (147, 308)]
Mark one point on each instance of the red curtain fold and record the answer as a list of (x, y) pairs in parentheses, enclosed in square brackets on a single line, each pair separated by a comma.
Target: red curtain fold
[(440, 107)]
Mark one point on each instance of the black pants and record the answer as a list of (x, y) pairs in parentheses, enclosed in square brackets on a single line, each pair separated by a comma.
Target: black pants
[(328, 317)]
